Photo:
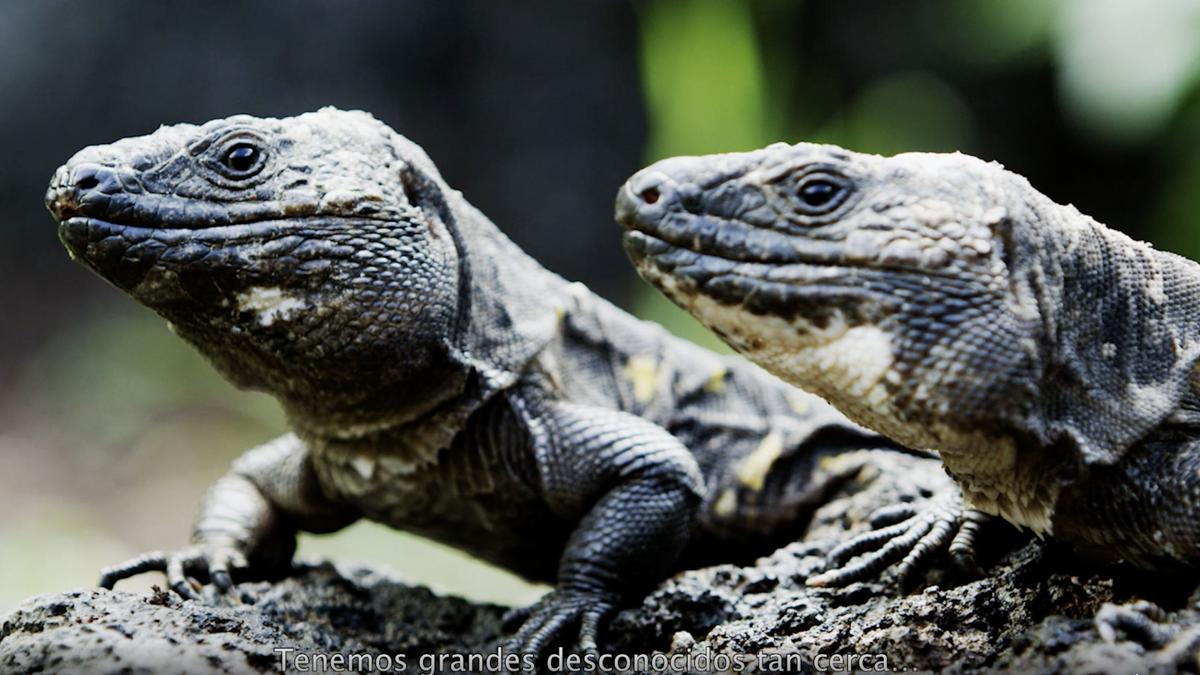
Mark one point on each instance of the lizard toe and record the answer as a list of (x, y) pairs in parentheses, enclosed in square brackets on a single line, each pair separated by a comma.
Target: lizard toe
[(221, 564), (154, 561), (962, 547), (548, 620), (216, 563), (178, 566), (909, 545), (890, 549), (589, 629), (890, 515)]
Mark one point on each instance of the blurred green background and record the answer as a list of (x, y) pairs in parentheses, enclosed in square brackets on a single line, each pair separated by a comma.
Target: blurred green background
[(110, 428)]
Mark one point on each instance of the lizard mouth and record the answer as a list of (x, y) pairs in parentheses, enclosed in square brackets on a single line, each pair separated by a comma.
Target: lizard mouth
[(78, 231), (124, 253), (792, 289), (701, 265), (78, 226), (96, 238)]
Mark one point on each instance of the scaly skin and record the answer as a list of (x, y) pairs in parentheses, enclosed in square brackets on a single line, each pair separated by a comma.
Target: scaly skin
[(435, 378), (942, 301)]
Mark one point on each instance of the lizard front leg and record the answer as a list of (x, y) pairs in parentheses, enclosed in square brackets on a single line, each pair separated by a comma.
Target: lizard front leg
[(634, 488), (247, 521)]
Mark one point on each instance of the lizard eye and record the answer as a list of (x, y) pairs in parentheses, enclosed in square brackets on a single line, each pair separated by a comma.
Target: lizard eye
[(242, 159), (820, 193), (236, 159)]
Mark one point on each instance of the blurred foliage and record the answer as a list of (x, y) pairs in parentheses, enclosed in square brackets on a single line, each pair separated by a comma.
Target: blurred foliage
[(112, 430), (902, 112), (1125, 66), (703, 77), (993, 34)]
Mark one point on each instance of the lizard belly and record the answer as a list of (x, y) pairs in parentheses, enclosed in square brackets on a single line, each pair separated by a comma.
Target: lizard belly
[(485, 516)]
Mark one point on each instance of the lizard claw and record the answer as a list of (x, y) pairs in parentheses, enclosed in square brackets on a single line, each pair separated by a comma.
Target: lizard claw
[(909, 536), (547, 619), (216, 562)]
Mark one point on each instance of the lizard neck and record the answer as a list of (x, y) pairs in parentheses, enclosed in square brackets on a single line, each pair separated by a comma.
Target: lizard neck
[(511, 306), (415, 438), (1119, 341), (381, 410)]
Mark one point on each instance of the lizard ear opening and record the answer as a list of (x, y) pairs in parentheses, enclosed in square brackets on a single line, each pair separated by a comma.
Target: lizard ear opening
[(508, 306), (410, 191)]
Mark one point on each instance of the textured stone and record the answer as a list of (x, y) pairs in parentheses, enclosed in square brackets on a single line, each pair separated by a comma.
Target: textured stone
[(1033, 612)]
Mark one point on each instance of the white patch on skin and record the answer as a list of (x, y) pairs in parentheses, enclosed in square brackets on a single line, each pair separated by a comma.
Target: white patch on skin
[(854, 362), (579, 291), (642, 373), (994, 215), (802, 402), (1035, 514), (1155, 289), (351, 432), (269, 303), (846, 364), (726, 505), (300, 133), (364, 465), (752, 471), (715, 384), (1153, 400)]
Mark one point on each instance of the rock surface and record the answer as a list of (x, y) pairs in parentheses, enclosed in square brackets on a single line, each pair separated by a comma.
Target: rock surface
[(1033, 612)]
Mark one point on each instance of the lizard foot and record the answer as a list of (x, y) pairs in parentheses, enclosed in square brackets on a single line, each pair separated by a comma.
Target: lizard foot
[(908, 535), (215, 562), (546, 620)]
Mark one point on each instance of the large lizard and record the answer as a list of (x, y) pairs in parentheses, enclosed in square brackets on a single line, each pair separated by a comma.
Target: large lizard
[(434, 377), (944, 302)]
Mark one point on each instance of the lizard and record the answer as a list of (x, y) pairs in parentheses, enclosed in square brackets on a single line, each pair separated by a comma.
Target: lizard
[(434, 377), (943, 301)]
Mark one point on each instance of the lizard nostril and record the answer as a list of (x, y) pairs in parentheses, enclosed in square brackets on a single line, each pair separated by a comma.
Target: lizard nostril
[(87, 183), (650, 195)]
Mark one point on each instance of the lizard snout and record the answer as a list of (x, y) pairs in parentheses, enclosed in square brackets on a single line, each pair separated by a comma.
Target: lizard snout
[(644, 197), (646, 200), (76, 187)]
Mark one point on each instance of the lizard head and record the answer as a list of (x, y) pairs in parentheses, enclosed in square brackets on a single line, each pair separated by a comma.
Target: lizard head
[(879, 283), (304, 256)]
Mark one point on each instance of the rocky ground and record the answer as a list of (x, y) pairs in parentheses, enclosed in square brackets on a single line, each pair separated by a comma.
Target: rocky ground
[(1033, 612)]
